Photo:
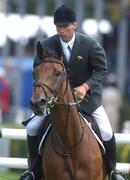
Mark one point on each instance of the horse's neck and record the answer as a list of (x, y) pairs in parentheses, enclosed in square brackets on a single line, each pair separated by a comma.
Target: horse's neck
[(66, 119)]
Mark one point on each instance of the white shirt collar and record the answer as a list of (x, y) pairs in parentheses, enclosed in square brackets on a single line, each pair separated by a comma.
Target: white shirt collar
[(70, 43)]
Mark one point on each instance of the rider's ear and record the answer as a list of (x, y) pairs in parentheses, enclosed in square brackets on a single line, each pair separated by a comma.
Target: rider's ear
[(39, 50)]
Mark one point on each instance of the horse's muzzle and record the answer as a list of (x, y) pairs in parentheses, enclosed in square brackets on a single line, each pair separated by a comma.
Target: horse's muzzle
[(38, 107)]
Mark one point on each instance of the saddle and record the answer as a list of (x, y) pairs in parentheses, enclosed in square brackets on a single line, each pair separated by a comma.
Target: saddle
[(46, 128), (91, 120)]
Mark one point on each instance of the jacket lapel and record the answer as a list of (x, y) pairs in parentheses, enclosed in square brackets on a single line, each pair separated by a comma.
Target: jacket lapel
[(59, 46), (75, 49)]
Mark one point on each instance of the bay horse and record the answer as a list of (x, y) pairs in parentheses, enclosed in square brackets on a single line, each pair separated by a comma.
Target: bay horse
[(71, 151)]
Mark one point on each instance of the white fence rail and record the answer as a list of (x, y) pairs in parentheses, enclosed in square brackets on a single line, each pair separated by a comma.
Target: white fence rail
[(124, 167), (122, 138), (20, 134), (21, 163), (18, 163)]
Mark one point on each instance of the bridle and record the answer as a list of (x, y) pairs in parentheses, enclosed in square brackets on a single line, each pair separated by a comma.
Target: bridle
[(51, 101)]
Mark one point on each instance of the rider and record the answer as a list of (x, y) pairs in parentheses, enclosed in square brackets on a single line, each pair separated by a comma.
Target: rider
[(86, 68)]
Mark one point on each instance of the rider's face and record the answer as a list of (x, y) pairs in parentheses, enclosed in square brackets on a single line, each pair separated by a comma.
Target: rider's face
[(66, 31)]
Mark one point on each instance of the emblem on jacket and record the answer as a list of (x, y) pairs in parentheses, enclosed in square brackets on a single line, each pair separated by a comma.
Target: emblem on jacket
[(79, 58)]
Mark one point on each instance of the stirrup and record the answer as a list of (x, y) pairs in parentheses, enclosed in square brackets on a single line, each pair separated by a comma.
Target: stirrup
[(27, 175), (117, 172)]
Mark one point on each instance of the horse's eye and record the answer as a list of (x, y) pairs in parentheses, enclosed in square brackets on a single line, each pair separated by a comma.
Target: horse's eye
[(58, 73)]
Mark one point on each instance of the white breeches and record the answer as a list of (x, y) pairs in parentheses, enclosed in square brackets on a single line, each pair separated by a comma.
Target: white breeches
[(99, 115), (103, 122), (34, 125)]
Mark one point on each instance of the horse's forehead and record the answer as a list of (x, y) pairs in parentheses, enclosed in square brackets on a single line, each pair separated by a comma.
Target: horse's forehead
[(48, 66)]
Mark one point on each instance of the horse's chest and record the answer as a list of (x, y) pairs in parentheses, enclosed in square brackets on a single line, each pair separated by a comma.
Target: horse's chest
[(57, 166)]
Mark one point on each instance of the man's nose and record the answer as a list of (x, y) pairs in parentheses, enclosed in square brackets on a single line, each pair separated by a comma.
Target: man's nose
[(62, 29)]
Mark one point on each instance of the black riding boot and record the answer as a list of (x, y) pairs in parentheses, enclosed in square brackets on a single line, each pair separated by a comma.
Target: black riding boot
[(34, 162), (110, 159)]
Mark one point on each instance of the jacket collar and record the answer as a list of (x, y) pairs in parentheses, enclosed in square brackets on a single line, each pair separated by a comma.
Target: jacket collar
[(75, 49)]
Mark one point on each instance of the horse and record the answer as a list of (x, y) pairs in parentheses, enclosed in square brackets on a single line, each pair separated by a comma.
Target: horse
[(71, 151)]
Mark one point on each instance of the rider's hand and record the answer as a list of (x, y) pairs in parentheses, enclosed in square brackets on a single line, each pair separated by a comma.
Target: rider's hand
[(81, 91)]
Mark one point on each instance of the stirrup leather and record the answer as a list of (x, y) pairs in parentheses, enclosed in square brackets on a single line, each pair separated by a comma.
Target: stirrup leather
[(117, 172)]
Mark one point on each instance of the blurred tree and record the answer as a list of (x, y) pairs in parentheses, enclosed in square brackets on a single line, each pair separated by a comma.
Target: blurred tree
[(31, 6), (50, 7), (113, 12)]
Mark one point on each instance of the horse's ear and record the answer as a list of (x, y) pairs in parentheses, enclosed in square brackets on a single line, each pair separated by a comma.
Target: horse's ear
[(39, 50), (54, 54), (45, 52)]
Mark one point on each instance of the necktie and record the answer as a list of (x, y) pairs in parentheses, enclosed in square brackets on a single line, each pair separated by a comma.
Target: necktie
[(69, 49), (68, 53)]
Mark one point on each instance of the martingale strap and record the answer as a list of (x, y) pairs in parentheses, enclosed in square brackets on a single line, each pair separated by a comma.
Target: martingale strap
[(96, 136)]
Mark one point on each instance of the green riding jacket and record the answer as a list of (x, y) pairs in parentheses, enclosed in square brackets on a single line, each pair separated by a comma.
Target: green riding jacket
[(87, 64)]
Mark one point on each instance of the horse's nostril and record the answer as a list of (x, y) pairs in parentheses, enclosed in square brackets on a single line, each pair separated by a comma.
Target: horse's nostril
[(42, 102)]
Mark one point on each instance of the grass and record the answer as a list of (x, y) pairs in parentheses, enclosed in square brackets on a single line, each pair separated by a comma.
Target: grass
[(16, 175), (10, 175)]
